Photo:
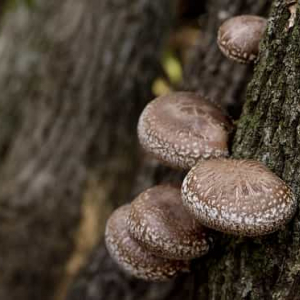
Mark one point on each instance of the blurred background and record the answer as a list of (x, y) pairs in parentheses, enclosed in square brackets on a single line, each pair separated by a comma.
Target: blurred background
[(74, 78)]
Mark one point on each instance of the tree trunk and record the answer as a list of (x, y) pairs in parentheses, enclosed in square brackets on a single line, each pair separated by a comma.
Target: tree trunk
[(74, 76), (268, 131), (63, 86), (225, 273)]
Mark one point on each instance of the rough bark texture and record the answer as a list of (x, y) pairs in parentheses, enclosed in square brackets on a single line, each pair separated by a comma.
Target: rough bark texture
[(268, 267), (102, 279), (265, 268), (211, 74), (74, 76), (269, 131)]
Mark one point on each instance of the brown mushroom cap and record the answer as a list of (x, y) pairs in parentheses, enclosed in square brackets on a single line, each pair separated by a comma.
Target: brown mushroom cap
[(241, 197), (159, 222), (131, 257), (239, 37), (181, 128)]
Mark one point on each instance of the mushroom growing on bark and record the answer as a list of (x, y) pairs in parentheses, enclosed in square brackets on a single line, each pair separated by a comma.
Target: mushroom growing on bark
[(159, 222), (131, 257), (239, 37), (181, 128), (241, 197)]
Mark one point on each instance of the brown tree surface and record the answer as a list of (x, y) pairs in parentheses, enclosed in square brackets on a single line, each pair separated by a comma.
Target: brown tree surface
[(265, 268), (74, 76), (261, 268)]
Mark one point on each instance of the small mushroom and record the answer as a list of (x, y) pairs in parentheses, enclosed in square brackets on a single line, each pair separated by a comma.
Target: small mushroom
[(181, 128), (239, 37), (159, 222), (131, 257), (241, 197)]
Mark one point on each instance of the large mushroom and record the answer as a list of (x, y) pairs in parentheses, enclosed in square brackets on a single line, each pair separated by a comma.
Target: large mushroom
[(241, 197), (239, 37), (131, 257), (159, 222), (181, 128)]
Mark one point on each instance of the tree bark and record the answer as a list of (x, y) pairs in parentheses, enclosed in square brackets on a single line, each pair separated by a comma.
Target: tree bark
[(209, 73), (74, 76), (268, 131), (55, 99)]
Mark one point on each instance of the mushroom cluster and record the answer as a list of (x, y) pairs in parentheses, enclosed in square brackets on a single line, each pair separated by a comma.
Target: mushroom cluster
[(156, 236)]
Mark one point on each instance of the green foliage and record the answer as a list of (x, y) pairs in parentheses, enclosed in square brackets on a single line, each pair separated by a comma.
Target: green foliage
[(172, 67)]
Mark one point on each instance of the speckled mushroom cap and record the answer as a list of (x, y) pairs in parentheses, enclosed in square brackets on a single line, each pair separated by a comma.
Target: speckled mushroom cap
[(181, 128), (159, 222), (131, 257), (241, 197), (239, 37)]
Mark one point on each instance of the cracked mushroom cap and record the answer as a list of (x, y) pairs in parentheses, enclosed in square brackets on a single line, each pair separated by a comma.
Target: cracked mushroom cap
[(239, 37), (241, 197), (181, 128), (159, 222), (131, 257)]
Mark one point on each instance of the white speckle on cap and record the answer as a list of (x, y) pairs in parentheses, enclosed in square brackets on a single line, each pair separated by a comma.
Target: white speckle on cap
[(262, 202), (159, 222), (131, 257), (239, 37), (181, 128)]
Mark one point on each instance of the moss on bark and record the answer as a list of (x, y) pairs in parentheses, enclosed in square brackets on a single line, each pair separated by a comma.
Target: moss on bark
[(267, 267)]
